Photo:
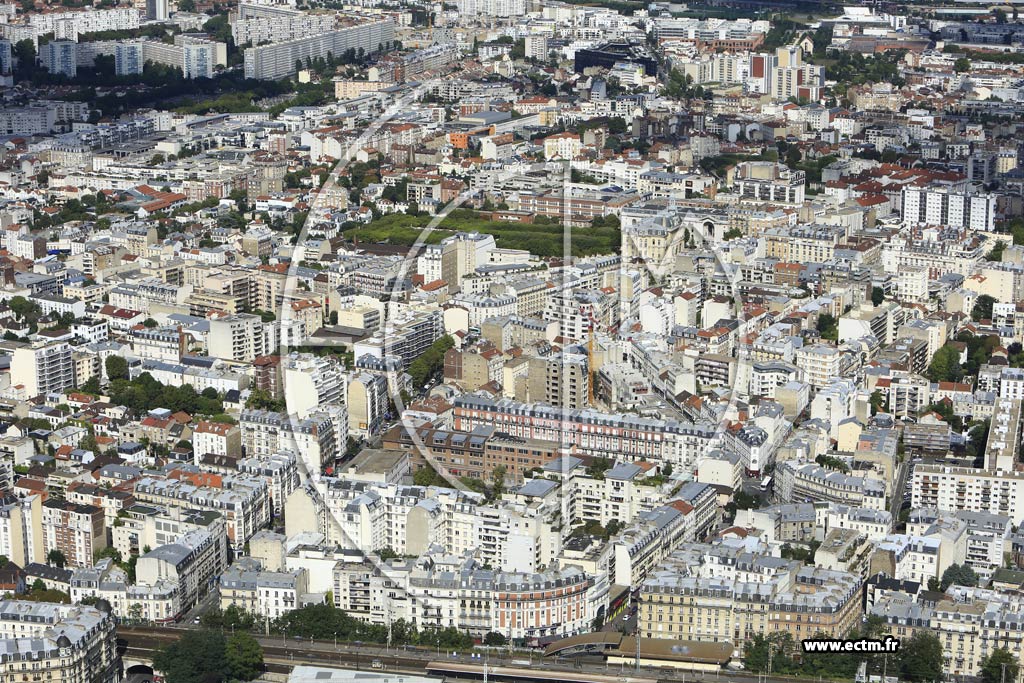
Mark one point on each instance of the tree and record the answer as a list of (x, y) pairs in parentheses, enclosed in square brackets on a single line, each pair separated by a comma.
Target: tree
[(776, 647), (244, 657), (38, 586), (962, 65), (498, 480), (997, 251), (56, 558), (24, 51), (793, 157), (921, 658), (959, 575), (828, 327), (495, 639), (877, 296), (427, 476), (992, 667), (977, 437), (945, 365), (117, 368), (877, 401), (135, 612), (198, 657), (982, 308), (110, 551)]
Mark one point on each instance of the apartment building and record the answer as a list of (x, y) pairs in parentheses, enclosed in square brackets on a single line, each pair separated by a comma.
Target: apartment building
[(316, 439), (455, 592), (277, 60), (68, 24), (311, 381), (969, 622), (984, 537), (267, 594), (810, 243), (517, 535), (157, 603), (475, 453), (280, 471), (243, 500), (76, 530), (948, 206), (21, 530), (727, 592), (43, 367), (820, 363), (142, 526), (192, 562), (260, 24), (769, 181), (797, 481), (240, 337), (965, 488), (368, 404), (404, 336), (561, 379), (216, 438), (592, 432), (618, 494), (72, 643)]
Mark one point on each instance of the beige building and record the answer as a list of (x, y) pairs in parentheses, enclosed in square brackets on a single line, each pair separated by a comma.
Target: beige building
[(560, 380), (970, 623), (53, 643), (803, 243), (713, 593)]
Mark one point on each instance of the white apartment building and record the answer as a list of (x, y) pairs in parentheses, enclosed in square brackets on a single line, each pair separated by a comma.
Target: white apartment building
[(821, 364), (280, 471), (60, 57), (67, 25), (238, 337), (492, 8), (277, 60), (192, 562), (974, 490), (798, 481), (951, 207), (268, 594), (21, 530)]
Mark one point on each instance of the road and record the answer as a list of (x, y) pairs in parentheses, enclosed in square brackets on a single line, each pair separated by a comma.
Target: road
[(280, 654), (209, 601), (903, 469)]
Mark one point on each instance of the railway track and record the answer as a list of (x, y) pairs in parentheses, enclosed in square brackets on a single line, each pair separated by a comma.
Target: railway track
[(281, 655)]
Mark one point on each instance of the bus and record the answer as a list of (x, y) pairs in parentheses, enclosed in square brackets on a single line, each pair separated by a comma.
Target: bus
[(766, 484)]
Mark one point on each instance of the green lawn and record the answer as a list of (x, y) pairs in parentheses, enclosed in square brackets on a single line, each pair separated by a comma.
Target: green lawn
[(541, 239)]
